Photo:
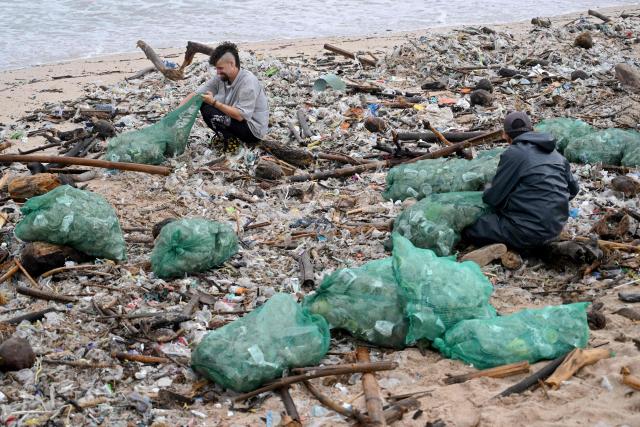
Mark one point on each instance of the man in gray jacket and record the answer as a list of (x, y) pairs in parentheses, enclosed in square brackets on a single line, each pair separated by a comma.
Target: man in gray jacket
[(530, 192), (235, 105)]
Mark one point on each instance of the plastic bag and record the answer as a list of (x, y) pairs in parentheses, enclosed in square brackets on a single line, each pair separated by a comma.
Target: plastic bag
[(606, 147), (168, 137), (72, 217), (530, 335), (259, 346), (192, 245), (442, 175), (363, 301), (436, 221), (437, 292), (565, 130)]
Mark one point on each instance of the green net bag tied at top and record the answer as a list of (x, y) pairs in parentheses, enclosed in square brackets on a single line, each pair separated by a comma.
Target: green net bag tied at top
[(530, 335), (77, 218), (438, 292), (260, 346), (606, 146), (192, 245), (443, 175), (150, 145), (565, 130), (363, 301), (436, 221)]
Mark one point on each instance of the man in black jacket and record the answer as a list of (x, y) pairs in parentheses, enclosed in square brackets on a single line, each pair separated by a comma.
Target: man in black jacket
[(530, 193)]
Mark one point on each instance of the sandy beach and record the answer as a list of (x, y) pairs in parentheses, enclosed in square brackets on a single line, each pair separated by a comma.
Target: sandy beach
[(227, 192)]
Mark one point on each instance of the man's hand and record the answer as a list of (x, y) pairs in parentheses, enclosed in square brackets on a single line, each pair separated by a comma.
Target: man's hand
[(208, 98)]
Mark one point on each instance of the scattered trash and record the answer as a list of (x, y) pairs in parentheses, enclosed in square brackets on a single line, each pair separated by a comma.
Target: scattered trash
[(329, 80)]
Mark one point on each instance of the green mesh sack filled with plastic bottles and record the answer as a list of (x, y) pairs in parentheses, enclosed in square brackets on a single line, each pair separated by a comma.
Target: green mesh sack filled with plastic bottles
[(530, 335), (363, 301), (260, 346), (438, 292), (436, 221), (192, 245), (72, 217), (442, 175), (631, 154), (564, 130), (606, 147), (150, 145)]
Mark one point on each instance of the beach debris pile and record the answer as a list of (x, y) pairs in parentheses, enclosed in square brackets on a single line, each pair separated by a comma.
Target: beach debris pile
[(117, 307)]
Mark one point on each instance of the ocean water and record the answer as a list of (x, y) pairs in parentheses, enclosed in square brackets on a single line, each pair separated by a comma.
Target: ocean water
[(39, 32)]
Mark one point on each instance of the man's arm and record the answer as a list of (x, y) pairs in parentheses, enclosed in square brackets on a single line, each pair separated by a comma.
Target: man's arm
[(504, 182), (571, 181)]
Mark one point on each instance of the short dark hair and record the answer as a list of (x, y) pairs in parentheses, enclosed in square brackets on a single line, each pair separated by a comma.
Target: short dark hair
[(221, 49)]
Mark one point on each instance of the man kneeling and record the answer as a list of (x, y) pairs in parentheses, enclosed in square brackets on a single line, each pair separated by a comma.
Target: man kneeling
[(530, 192), (234, 104)]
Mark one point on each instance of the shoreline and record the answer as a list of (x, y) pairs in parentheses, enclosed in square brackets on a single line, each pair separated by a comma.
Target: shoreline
[(26, 89)]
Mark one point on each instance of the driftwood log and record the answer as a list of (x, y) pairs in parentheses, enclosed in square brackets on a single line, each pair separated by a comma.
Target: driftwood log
[(39, 257), (294, 156), (535, 378), (575, 361), (174, 73), (22, 188), (135, 167), (347, 54)]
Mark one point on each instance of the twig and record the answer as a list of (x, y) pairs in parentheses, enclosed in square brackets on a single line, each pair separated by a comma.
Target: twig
[(498, 372), (49, 296), (31, 317), (73, 267), (349, 369), (139, 358), (354, 413), (532, 380), (135, 167)]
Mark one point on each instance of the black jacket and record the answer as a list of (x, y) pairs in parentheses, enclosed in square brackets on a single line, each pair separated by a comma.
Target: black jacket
[(532, 189)]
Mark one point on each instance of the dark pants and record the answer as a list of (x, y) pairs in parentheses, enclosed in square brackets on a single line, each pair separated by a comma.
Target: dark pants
[(225, 127), (495, 228)]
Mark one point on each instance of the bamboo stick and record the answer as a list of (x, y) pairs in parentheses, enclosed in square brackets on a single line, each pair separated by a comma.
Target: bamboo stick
[(49, 296), (134, 167), (498, 372), (371, 391)]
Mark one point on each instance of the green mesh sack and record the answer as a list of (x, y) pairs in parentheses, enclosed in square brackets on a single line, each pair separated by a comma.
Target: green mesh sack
[(192, 245), (442, 175), (606, 147), (437, 292), (259, 347), (436, 221), (529, 335), (631, 152), (168, 137), (71, 217), (363, 301), (564, 130)]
